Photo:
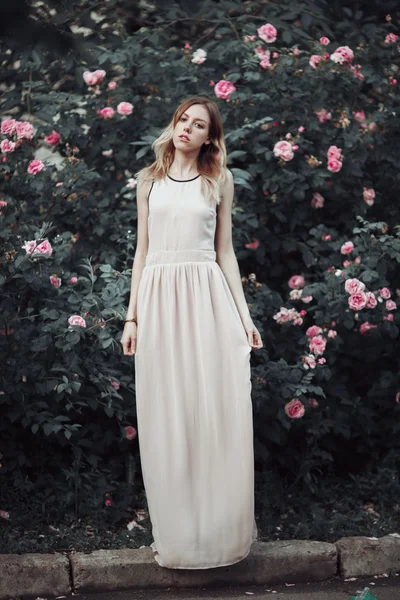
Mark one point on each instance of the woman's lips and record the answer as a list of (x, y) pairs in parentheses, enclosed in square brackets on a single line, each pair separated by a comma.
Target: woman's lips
[(184, 138)]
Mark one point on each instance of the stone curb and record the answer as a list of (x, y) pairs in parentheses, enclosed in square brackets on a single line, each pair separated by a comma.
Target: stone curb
[(286, 561)]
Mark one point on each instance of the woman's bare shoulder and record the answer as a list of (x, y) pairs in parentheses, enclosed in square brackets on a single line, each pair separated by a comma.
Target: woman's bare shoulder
[(143, 189)]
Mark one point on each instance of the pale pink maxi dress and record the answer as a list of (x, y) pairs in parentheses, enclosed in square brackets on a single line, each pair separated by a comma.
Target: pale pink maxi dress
[(193, 389)]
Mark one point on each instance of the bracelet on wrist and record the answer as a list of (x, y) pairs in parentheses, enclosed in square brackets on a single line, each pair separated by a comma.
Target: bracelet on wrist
[(131, 321)]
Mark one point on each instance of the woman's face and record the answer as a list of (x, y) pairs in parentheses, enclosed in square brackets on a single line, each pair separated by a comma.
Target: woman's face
[(192, 128)]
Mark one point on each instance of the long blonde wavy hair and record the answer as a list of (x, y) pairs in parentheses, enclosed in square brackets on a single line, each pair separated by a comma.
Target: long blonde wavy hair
[(211, 161)]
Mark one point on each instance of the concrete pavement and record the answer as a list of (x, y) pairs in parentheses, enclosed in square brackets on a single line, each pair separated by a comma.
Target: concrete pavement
[(277, 568), (333, 589)]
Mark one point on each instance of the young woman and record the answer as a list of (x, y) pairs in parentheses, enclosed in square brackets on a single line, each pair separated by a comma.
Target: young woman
[(189, 327)]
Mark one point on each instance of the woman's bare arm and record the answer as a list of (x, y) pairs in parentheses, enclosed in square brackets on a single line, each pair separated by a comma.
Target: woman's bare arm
[(226, 258), (228, 264), (142, 244)]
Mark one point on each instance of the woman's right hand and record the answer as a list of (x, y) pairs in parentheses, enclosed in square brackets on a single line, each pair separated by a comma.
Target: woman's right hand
[(129, 338)]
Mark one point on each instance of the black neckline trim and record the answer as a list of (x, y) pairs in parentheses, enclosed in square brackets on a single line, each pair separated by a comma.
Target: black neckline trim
[(183, 180)]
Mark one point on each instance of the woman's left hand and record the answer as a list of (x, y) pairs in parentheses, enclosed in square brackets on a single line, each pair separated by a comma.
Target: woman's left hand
[(253, 335)]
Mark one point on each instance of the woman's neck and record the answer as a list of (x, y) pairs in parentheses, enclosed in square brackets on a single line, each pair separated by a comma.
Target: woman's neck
[(184, 166)]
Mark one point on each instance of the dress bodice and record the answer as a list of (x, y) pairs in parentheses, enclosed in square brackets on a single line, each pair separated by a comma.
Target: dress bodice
[(181, 217)]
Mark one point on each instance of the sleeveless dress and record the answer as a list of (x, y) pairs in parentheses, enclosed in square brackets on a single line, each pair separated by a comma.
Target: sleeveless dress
[(193, 389)]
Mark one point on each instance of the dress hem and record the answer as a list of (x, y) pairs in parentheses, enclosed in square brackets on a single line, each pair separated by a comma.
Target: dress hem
[(152, 546)]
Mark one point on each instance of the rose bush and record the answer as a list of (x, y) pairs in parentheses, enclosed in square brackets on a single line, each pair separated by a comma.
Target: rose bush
[(309, 108)]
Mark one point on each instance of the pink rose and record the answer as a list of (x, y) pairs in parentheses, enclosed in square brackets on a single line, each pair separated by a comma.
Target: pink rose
[(131, 183), (56, 281), (125, 108), (95, 77), (294, 409), (309, 362), (324, 41), (112, 85), (314, 60), (73, 280), (296, 51), (391, 38), (317, 200), (35, 166), (7, 146), (323, 115), (385, 293), (359, 116), (300, 129), (334, 165), (347, 263), (357, 301), (199, 56), (267, 33), (3, 204), (352, 286), (29, 247), (77, 320), (24, 130), (306, 299), (317, 345), (44, 248), (347, 248), (275, 54), (369, 195), (115, 385), (313, 331), (365, 327), (296, 282), (283, 316), (8, 126), (106, 113), (223, 89), (53, 139), (295, 294), (283, 150), (343, 54), (371, 300), (334, 152), (357, 73), (388, 318), (253, 245), (265, 63), (390, 305), (332, 334), (130, 432), (321, 361)]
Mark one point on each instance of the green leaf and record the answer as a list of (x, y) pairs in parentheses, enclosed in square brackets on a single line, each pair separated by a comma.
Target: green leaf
[(142, 152), (48, 428), (287, 36)]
